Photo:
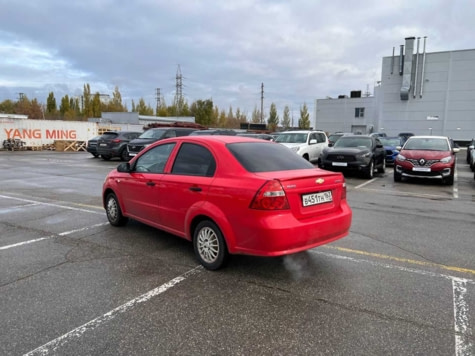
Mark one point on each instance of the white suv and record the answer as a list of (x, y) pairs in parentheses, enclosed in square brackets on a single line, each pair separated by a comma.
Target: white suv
[(308, 144)]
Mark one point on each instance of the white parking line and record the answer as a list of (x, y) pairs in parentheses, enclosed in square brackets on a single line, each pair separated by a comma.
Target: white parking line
[(53, 345), (463, 345), (366, 183), (49, 237), (51, 204)]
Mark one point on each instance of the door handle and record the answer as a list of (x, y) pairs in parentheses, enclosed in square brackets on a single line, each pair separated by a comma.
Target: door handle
[(195, 189), (151, 184)]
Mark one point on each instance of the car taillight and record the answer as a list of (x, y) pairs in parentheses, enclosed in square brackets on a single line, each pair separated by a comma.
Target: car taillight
[(343, 192), (271, 196), (116, 140)]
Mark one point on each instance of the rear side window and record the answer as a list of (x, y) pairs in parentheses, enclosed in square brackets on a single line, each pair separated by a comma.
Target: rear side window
[(267, 157), (194, 160), (110, 135)]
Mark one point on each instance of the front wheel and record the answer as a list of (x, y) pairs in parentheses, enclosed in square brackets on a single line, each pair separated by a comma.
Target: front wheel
[(209, 245), (124, 154), (370, 171), (113, 211)]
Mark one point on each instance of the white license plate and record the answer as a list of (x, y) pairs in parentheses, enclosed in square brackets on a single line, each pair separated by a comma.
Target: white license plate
[(132, 154), (317, 198), (421, 169), (103, 144), (339, 164)]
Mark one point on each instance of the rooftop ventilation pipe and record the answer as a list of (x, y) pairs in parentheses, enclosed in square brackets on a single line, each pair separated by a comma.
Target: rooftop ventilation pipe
[(407, 71)]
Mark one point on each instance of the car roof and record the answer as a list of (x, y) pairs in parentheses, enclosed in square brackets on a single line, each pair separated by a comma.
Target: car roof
[(427, 136)]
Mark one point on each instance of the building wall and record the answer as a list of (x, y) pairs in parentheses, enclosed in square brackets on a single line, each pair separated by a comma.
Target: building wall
[(445, 106), (333, 115)]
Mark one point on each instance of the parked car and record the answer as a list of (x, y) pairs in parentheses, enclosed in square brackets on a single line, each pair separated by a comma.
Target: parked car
[(114, 144), (470, 148), (390, 145), (307, 144), (257, 135), (359, 153), (404, 136), (379, 134), (472, 160), (229, 195), (91, 146), (155, 134), (430, 157)]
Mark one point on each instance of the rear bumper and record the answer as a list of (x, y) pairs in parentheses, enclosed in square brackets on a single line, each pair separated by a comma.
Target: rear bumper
[(278, 235)]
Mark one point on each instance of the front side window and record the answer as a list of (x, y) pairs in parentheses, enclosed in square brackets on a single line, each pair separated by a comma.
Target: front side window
[(154, 160), (359, 112), (194, 160)]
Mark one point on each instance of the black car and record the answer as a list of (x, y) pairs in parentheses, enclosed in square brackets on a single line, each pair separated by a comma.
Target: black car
[(91, 146), (470, 148), (114, 144), (155, 134), (359, 153)]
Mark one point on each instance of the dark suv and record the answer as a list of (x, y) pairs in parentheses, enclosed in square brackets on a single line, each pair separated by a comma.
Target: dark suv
[(114, 144), (155, 134)]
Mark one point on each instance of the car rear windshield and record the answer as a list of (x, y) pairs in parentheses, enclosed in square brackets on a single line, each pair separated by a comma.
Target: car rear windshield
[(267, 157)]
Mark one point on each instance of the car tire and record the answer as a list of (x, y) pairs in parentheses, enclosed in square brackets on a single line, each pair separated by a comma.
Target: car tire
[(124, 154), (449, 180), (397, 176), (209, 245), (113, 211), (382, 169), (105, 157), (370, 171)]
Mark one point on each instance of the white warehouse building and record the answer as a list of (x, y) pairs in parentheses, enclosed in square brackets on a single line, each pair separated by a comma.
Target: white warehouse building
[(419, 92)]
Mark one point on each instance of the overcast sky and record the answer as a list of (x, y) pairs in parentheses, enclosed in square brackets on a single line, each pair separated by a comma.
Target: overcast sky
[(300, 50)]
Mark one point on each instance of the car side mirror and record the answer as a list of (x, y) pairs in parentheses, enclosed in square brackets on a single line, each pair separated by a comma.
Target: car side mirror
[(313, 141), (471, 147), (330, 144), (124, 167), (455, 149), (398, 148)]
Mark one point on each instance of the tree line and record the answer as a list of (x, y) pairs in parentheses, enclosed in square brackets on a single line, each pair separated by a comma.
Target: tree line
[(91, 105)]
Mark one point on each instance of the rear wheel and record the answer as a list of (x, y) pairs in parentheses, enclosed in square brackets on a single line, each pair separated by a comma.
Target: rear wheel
[(382, 169), (113, 211), (209, 245)]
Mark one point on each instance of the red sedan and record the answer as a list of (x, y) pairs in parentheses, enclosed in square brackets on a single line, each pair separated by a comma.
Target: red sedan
[(229, 195)]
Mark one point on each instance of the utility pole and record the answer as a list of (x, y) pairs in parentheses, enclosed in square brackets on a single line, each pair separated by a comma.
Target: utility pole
[(179, 91), (262, 103), (157, 96)]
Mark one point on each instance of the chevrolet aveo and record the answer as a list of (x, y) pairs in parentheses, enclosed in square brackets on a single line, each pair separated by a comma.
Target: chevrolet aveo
[(229, 195)]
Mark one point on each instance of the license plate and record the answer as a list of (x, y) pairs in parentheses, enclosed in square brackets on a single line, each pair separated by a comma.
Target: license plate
[(421, 169), (339, 164), (317, 198), (132, 154), (103, 144)]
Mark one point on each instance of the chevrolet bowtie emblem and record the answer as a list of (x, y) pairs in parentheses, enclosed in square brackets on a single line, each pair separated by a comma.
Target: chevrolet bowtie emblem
[(320, 181)]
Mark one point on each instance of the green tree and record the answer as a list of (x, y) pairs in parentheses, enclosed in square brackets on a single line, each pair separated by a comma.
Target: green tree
[(202, 110), (64, 106), (115, 105), (96, 106), (273, 120), (304, 121), (144, 109), (88, 110), (162, 108), (51, 107), (286, 118)]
